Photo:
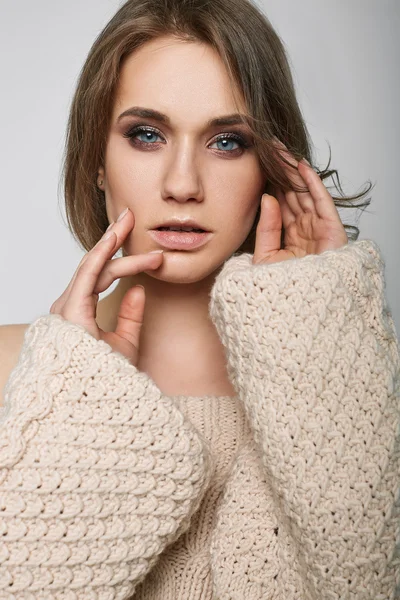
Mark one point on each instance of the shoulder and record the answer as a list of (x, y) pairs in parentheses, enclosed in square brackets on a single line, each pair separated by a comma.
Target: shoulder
[(11, 339), (12, 336)]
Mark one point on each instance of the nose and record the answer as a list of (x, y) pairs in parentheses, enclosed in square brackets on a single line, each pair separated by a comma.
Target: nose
[(182, 180)]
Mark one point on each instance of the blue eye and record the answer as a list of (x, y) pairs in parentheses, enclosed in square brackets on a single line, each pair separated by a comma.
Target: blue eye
[(149, 132), (145, 132), (231, 138)]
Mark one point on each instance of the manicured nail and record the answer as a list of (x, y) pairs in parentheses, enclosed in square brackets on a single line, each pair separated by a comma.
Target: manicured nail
[(306, 161), (121, 216), (110, 225), (153, 251)]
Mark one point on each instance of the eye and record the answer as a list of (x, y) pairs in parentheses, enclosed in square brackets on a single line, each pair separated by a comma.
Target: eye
[(230, 138), (137, 131), (150, 133)]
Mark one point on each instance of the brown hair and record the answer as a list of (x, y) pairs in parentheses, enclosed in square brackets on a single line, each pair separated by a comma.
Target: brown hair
[(256, 61)]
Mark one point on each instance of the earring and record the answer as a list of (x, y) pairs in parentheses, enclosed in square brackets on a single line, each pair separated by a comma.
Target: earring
[(100, 183)]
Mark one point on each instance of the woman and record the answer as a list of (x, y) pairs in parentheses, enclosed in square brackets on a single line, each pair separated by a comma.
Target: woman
[(230, 429)]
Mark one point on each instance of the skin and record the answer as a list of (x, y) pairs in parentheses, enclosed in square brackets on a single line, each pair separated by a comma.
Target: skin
[(179, 347), (183, 171), (188, 173)]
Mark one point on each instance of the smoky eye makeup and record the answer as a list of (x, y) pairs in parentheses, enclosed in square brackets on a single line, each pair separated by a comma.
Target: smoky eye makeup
[(244, 141)]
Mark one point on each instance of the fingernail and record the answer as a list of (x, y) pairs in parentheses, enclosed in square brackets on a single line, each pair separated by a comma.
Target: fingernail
[(306, 161), (153, 251), (110, 225), (121, 216)]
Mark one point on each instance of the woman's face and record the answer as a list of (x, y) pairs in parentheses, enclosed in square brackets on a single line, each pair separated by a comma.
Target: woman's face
[(180, 169)]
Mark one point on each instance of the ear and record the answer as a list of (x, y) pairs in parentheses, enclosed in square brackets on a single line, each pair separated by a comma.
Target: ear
[(100, 178)]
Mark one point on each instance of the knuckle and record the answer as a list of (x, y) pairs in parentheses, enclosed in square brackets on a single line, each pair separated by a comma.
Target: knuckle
[(102, 284)]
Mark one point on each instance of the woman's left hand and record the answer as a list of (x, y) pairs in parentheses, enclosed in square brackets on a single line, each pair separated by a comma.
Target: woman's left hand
[(311, 221)]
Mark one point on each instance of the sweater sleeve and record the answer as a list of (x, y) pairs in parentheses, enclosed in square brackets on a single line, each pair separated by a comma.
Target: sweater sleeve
[(99, 471), (312, 351)]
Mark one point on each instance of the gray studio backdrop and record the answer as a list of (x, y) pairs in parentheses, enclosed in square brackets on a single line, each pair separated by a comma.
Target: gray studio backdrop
[(345, 60)]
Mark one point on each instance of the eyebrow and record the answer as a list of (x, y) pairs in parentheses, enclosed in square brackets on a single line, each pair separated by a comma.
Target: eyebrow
[(148, 113)]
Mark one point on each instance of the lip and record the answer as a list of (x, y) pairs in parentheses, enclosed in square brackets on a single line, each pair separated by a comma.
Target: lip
[(180, 240), (176, 222)]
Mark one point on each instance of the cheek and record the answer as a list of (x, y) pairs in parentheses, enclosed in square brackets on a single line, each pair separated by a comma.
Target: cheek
[(243, 213), (126, 179), (237, 223), (249, 221), (243, 198)]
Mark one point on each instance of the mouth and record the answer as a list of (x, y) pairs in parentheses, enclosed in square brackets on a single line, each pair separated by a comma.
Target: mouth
[(182, 229), (178, 239)]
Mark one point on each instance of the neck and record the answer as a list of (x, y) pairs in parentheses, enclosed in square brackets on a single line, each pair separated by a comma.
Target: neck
[(179, 345)]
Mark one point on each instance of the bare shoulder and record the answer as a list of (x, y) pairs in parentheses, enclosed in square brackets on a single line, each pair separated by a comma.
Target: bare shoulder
[(11, 338)]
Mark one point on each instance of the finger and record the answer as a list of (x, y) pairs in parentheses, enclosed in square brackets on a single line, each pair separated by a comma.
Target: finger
[(288, 216), (88, 275), (121, 229), (59, 303), (124, 267), (323, 201), (304, 198), (269, 229), (130, 315), (298, 201), (293, 202)]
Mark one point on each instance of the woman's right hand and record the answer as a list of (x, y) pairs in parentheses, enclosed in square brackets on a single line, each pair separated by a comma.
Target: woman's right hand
[(95, 273)]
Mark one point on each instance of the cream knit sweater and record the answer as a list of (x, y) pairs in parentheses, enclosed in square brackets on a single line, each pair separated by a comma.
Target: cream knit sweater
[(288, 491)]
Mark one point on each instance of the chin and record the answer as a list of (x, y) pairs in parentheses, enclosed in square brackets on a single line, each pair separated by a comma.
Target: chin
[(176, 278), (186, 267)]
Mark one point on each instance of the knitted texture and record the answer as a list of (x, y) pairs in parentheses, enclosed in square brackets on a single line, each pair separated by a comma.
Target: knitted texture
[(109, 489), (252, 552), (184, 569), (99, 471), (312, 350)]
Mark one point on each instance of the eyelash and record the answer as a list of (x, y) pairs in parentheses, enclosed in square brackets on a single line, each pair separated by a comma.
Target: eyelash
[(229, 136)]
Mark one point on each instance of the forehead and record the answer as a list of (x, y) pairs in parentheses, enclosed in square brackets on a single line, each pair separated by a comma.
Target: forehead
[(186, 80)]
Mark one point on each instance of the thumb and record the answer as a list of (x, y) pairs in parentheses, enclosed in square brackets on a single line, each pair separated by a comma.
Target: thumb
[(130, 315)]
